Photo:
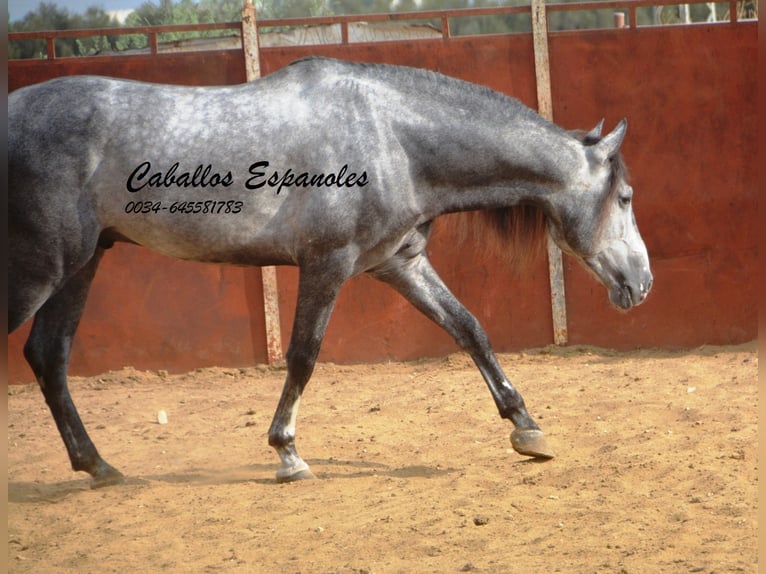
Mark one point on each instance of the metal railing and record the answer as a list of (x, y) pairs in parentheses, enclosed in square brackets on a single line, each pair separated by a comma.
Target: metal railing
[(624, 7)]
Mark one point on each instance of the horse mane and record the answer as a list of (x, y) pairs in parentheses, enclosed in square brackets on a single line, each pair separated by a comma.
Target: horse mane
[(519, 233)]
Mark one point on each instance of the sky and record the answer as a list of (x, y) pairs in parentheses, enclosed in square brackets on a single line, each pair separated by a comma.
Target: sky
[(18, 8)]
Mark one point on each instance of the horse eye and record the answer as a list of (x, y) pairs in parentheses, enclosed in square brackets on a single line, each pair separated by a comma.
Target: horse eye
[(625, 201)]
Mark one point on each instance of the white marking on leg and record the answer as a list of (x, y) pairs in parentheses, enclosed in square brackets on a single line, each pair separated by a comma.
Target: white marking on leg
[(290, 430)]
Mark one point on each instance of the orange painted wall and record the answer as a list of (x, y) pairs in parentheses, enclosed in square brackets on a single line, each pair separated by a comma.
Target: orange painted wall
[(690, 96)]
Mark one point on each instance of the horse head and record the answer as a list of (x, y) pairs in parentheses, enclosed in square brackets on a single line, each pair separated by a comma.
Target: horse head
[(594, 221)]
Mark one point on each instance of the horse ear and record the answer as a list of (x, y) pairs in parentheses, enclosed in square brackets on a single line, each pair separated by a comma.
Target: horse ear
[(595, 133), (608, 147)]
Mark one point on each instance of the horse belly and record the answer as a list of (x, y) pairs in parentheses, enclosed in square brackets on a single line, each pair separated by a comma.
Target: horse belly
[(202, 230)]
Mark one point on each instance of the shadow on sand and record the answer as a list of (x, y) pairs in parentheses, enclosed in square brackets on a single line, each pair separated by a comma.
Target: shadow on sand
[(34, 492)]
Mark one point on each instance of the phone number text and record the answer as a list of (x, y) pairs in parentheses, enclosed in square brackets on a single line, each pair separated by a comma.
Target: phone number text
[(210, 206)]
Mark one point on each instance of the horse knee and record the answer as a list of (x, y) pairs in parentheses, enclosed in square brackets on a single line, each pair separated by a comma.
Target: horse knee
[(300, 363)]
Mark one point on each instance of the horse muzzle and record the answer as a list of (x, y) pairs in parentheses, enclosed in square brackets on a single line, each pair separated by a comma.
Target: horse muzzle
[(628, 283), (629, 294)]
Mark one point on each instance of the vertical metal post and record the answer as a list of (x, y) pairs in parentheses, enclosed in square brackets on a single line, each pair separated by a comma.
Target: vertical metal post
[(250, 42), (153, 43), (545, 109), (50, 46), (344, 32), (684, 14), (268, 274), (446, 33)]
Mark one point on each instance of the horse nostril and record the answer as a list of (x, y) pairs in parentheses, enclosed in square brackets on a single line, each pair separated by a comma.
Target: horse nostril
[(628, 291), (644, 289)]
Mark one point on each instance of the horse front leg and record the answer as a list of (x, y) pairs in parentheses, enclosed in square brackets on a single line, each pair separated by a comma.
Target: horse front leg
[(418, 282), (47, 350), (317, 293)]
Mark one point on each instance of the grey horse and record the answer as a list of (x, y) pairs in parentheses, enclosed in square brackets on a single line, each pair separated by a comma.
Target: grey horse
[(339, 168)]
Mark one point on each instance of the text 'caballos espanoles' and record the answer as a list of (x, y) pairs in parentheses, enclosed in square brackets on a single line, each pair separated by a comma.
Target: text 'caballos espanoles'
[(206, 177)]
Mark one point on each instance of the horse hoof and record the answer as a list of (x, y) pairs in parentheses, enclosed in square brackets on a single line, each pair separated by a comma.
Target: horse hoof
[(110, 478), (531, 442), (294, 474)]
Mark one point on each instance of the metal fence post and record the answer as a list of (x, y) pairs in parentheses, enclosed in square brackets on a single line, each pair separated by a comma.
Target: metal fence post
[(268, 274), (545, 108)]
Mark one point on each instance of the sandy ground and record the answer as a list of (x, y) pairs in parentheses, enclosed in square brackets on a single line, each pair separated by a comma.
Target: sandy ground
[(656, 470)]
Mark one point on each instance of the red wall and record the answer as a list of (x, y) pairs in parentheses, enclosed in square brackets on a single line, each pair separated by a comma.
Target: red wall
[(196, 69), (689, 94)]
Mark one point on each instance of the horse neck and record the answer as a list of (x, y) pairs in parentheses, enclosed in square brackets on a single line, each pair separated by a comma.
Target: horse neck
[(496, 164)]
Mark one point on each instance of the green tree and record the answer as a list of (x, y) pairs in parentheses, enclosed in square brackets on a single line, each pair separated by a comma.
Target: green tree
[(222, 10), (340, 7), (168, 12), (49, 16), (272, 9), (94, 18)]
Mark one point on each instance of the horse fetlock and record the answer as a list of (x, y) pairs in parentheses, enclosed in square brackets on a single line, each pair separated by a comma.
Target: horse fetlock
[(517, 413), (281, 440)]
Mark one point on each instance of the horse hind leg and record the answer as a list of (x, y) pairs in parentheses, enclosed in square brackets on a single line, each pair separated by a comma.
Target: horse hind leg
[(47, 350)]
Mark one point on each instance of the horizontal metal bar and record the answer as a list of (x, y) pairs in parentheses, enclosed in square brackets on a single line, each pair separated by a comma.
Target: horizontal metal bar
[(631, 5), (441, 15), (144, 30), (395, 16), (170, 56)]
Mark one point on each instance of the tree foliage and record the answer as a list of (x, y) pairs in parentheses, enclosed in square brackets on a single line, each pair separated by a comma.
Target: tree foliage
[(168, 12), (49, 16)]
